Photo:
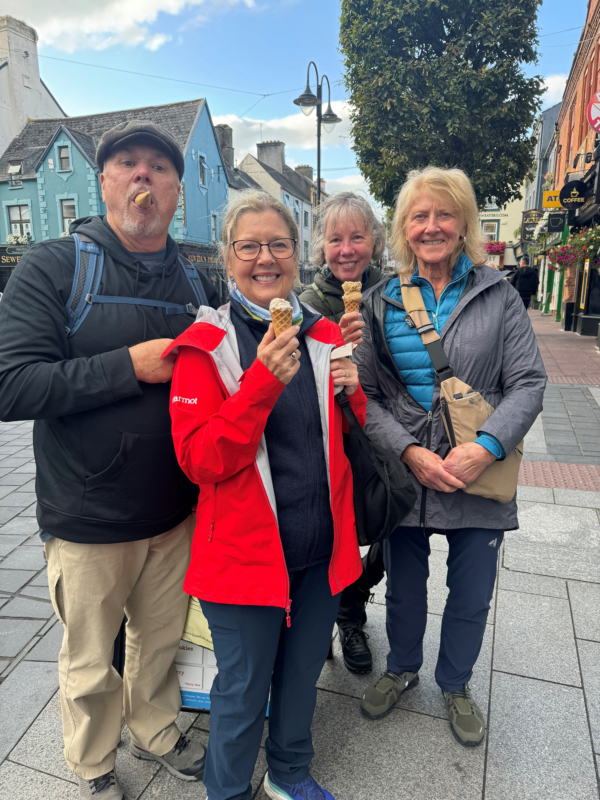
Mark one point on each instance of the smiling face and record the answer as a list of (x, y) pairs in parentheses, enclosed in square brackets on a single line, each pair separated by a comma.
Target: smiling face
[(131, 171), (348, 247), (265, 277), (433, 228)]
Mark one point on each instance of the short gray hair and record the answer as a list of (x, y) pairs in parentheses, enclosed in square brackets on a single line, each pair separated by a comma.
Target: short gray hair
[(345, 203)]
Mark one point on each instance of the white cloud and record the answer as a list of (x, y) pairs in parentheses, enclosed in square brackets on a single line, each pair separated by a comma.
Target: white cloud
[(296, 130), (70, 26), (555, 86)]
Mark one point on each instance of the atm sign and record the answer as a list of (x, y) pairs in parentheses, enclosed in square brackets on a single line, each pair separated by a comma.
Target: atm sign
[(551, 199)]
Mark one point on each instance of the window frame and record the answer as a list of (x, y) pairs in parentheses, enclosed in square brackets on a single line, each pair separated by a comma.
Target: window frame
[(7, 204), (202, 170), (71, 196), (306, 219)]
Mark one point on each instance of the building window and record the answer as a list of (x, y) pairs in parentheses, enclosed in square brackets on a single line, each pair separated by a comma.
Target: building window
[(286, 199), (297, 211), (67, 210), (19, 220), (213, 227), (305, 250), (202, 170), (14, 170), (64, 159), (571, 132), (306, 219), (491, 230)]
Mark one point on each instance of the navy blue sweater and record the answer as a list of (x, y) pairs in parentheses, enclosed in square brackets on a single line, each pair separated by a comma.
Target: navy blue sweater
[(294, 438)]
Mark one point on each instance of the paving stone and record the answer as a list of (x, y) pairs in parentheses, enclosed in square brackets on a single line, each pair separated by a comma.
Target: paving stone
[(11, 580), (49, 645), (554, 561), (13, 461), (534, 638), (527, 456), (25, 558), (535, 494), (21, 783), (4, 490), (42, 746), (26, 469), (21, 525), (15, 634), (12, 479), (552, 524), (3, 601), (534, 759), (535, 440), (30, 512), (29, 486), (40, 580), (8, 512), (24, 499), (572, 497), (23, 608), (41, 592), (589, 655), (9, 543), (532, 584), (585, 603), (354, 764), (560, 450), (165, 785), (22, 696)]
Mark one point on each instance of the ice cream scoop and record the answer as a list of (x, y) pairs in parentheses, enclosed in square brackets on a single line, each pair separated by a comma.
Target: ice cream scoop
[(352, 297), (143, 200), (281, 315)]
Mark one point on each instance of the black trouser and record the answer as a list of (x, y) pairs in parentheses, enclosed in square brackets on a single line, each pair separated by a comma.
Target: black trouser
[(526, 300), (355, 597)]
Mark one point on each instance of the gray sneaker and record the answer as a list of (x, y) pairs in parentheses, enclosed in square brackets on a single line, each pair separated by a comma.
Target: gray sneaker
[(106, 787), (381, 696), (466, 720), (185, 761)]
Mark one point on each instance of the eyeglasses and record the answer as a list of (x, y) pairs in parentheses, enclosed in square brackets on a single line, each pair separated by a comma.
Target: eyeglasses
[(248, 250)]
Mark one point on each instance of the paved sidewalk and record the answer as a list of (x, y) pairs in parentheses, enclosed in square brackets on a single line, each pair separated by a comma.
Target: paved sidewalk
[(568, 358), (537, 678)]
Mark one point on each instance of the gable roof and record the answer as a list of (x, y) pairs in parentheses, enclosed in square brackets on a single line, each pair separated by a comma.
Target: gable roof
[(285, 183), (238, 179), (32, 143)]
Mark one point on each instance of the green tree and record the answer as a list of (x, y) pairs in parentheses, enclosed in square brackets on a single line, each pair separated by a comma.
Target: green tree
[(441, 82)]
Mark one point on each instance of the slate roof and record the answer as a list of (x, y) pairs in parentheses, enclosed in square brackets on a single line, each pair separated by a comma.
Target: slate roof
[(238, 179), (32, 143), (288, 184)]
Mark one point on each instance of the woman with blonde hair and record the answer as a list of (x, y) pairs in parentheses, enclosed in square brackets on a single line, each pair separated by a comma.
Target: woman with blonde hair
[(489, 343), (255, 425)]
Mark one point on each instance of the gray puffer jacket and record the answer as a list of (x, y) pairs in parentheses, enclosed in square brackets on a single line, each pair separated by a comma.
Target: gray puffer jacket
[(490, 344)]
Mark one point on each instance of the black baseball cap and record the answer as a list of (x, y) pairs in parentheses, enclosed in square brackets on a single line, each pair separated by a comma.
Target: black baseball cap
[(139, 130)]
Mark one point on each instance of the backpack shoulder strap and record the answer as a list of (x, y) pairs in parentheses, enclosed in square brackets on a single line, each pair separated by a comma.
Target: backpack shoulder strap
[(89, 262), (191, 273), (415, 308), (324, 300)]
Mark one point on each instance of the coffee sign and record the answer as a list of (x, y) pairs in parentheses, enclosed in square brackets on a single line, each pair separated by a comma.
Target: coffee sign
[(573, 194), (529, 223)]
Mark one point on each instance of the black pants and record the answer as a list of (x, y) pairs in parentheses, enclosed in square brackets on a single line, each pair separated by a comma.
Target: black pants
[(256, 651), (355, 597), (526, 300)]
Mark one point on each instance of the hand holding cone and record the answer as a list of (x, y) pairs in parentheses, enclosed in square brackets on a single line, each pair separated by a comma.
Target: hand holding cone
[(143, 200), (281, 315), (352, 297)]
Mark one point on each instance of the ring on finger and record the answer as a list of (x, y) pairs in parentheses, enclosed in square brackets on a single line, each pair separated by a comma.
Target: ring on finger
[(294, 356), (347, 373)]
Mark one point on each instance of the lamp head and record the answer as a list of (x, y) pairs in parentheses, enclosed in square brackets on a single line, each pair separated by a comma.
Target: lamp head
[(330, 119), (307, 101)]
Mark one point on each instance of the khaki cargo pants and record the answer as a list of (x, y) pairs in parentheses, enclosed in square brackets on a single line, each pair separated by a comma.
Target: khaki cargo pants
[(92, 586)]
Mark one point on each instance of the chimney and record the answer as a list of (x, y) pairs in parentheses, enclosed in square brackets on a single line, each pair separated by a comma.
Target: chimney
[(322, 184), (306, 171), (225, 137), (272, 154)]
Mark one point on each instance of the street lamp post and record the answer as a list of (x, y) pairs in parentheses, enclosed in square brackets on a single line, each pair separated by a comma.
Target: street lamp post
[(307, 101)]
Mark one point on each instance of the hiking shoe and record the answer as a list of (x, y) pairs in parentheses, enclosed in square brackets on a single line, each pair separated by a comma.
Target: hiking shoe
[(357, 656), (381, 696), (185, 761), (307, 790), (106, 787), (466, 720)]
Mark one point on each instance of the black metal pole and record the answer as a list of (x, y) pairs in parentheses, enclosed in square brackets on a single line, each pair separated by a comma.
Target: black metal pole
[(319, 98)]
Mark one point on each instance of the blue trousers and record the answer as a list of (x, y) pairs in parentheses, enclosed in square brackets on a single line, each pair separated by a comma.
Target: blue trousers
[(472, 560), (255, 652)]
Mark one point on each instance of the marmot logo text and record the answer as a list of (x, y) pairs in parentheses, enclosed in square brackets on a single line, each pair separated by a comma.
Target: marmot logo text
[(190, 402)]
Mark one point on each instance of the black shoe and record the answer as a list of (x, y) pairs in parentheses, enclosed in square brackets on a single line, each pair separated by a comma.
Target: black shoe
[(357, 656)]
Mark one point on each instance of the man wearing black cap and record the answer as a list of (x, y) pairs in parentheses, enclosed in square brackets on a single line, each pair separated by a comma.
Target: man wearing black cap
[(114, 508), (525, 280)]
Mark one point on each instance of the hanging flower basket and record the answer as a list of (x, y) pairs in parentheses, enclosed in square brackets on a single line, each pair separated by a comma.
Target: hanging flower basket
[(495, 248)]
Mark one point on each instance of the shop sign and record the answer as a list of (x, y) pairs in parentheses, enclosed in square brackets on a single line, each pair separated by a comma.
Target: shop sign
[(573, 194), (551, 199), (529, 223), (17, 250), (593, 112), (556, 223)]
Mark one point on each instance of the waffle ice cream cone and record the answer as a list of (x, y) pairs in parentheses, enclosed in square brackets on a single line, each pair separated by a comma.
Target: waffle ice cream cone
[(143, 200), (281, 315), (352, 297)]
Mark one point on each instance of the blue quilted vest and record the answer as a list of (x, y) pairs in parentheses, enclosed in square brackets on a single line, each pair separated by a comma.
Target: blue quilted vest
[(406, 346)]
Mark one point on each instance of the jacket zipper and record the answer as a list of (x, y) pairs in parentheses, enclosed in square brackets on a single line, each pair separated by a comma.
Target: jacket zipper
[(212, 523), (448, 418), (424, 492)]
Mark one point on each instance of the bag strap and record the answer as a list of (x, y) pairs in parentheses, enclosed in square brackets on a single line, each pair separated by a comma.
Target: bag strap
[(194, 279), (359, 435), (89, 262), (415, 308), (322, 297)]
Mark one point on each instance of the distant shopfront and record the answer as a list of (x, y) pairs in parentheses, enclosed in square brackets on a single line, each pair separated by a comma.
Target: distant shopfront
[(206, 259), (8, 261)]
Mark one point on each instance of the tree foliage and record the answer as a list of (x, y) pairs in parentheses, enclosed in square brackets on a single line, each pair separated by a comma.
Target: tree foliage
[(441, 82)]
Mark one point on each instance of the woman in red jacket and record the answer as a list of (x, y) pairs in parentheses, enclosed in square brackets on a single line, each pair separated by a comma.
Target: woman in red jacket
[(256, 426)]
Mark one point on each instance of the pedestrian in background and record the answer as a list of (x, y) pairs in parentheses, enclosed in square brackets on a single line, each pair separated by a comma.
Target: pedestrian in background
[(347, 240), (525, 280), (488, 340), (255, 424), (114, 508)]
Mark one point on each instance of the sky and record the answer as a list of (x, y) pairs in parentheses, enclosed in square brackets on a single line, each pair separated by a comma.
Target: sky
[(247, 57)]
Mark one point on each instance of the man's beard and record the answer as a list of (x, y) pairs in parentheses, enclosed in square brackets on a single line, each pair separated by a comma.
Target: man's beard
[(136, 226)]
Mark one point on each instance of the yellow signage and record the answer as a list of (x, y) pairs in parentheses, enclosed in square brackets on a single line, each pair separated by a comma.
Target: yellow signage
[(551, 199)]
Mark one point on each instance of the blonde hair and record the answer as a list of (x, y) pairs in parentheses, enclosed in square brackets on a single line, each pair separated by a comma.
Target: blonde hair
[(345, 203), (253, 200), (451, 185)]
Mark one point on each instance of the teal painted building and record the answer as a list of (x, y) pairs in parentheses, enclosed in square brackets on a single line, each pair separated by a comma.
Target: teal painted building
[(48, 176)]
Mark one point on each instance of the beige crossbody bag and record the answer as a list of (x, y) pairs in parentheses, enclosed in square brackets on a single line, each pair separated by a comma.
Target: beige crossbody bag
[(463, 410)]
